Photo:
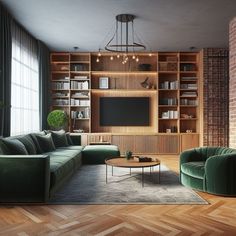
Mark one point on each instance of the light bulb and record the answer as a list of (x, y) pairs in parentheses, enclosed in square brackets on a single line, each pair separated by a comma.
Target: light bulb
[(126, 59), (99, 54), (150, 54), (111, 58), (118, 56), (133, 57), (97, 59), (137, 60)]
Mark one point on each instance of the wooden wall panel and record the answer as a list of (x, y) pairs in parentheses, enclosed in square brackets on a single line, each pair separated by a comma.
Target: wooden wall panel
[(124, 129)]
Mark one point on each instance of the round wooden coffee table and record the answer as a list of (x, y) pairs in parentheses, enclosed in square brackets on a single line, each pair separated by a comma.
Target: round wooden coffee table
[(124, 163)]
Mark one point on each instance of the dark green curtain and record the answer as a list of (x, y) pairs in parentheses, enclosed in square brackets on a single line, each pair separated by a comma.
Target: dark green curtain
[(5, 71), (44, 75)]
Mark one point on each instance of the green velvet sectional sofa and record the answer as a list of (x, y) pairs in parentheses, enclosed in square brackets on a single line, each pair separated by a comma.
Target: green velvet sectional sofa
[(34, 166), (209, 169)]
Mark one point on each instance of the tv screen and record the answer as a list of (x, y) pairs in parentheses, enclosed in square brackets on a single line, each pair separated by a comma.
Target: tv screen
[(124, 111)]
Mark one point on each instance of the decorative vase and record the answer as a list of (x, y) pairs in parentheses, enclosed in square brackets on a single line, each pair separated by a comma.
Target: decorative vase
[(128, 155)]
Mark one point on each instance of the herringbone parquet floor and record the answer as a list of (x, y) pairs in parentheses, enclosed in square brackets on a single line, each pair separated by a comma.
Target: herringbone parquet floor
[(218, 218)]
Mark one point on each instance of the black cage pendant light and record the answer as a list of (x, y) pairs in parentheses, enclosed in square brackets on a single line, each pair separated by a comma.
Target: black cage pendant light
[(125, 39)]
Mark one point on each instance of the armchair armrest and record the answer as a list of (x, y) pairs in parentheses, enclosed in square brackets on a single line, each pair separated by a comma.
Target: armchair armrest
[(220, 174), (24, 178)]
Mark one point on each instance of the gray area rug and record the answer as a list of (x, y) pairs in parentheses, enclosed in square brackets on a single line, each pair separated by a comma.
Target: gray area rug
[(88, 186)]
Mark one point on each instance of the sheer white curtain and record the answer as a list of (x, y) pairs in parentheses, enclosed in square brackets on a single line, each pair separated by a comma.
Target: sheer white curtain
[(24, 84)]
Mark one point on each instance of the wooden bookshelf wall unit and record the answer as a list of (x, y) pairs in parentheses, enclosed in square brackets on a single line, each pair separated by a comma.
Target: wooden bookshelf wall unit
[(71, 88), (172, 87)]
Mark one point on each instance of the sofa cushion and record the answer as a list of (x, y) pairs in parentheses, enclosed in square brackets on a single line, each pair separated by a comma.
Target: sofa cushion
[(29, 144), (36, 143), (59, 138), (97, 154), (69, 140), (194, 169), (45, 142), (60, 167), (14, 147)]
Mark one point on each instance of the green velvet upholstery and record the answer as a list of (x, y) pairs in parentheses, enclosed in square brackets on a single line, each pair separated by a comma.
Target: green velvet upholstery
[(69, 139), (209, 169), (97, 154), (29, 144), (33, 136), (45, 142), (24, 178), (13, 147), (59, 138), (35, 178)]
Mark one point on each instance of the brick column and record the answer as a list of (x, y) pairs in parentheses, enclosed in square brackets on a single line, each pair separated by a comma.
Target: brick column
[(216, 97), (232, 83)]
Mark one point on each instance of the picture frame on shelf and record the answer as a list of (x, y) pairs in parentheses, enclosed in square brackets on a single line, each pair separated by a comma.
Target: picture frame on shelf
[(104, 83)]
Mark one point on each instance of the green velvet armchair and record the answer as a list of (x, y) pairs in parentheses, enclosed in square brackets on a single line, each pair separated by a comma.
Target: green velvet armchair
[(209, 169)]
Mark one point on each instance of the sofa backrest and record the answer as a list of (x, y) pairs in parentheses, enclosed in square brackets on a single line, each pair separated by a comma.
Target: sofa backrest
[(206, 152), (76, 139)]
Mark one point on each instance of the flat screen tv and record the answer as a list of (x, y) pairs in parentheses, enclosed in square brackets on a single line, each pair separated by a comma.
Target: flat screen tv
[(124, 111)]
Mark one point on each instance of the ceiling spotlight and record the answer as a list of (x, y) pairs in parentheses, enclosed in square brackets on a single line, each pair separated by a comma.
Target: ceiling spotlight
[(99, 52)]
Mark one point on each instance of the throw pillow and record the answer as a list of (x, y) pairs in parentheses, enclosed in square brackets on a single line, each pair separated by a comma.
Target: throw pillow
[(29, 144), (35, 140), (69, 140), (59, 138), (45, 142), (14, 147)]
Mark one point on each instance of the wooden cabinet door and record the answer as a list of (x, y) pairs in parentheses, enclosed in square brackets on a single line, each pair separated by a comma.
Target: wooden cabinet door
[(145, 144), (124, 142), (168, 144), (189, 141)]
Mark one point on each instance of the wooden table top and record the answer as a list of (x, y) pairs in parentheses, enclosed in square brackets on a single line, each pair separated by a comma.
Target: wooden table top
[(123, 162)]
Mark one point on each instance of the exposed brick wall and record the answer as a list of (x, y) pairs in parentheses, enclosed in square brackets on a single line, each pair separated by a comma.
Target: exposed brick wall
[(232, 83), (216, 97)]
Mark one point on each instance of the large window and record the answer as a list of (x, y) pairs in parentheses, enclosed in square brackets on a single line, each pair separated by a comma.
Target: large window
[(24, 84)]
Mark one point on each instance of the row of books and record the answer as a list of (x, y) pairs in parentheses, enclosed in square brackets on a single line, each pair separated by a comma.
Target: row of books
[(169, 85), (189, 94), (168, 101), (188, 86), (78, 102), (79, 85), (188, 102), (80, 77), (193, 78), (59, 94), (60, 85), (169, 115), (81, 94), (61, 102)]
